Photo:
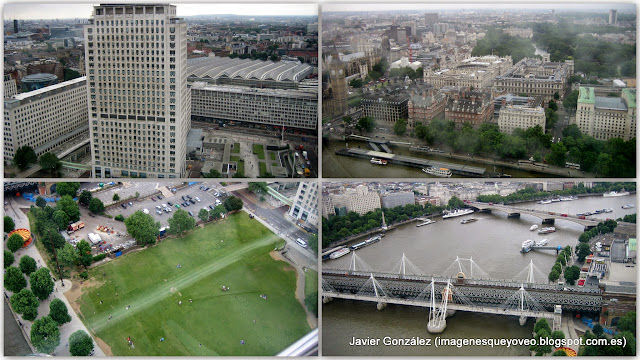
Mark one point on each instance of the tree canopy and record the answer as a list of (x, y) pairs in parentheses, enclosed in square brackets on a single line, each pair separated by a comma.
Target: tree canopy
[(14, 281), (8, 258), (9, 225), (25, 304), (58, 312), (96, 206), (180, 222), (80, 343), (70, 207), (41, 283), (142, 227), (85, 197), (67, 188), (232, 203), (45, 335), (15, 242), (27, 265), (50, 162), (24, 157)]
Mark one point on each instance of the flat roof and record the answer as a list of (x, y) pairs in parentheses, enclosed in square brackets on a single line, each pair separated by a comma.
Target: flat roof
[(47, 89)]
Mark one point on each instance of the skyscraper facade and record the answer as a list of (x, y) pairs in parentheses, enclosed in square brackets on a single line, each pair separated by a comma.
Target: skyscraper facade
[(139, 104)]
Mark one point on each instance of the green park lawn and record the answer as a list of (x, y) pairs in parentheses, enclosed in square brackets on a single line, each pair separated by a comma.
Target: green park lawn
[(259, 150), (263, 168), (234, 253), (236, 148), (310, 282)]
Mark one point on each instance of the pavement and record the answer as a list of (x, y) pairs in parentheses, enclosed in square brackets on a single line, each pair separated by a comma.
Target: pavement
[(13, 210)]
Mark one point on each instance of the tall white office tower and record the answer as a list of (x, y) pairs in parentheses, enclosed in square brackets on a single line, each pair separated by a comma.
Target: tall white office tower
[(139, 104)]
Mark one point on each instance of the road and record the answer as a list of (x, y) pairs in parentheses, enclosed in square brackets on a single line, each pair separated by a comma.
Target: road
[(275, 219), (14, 210)]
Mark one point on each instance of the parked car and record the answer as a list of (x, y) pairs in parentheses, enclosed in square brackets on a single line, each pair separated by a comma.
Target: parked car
[(124, 206), (190, 213)]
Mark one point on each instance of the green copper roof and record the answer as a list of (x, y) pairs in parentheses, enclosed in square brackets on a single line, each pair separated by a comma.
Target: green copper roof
[(630, 96), (587, 95)]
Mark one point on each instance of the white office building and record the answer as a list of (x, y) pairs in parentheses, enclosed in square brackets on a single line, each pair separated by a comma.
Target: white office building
[(45, 118), (139, 104), (305, 203)]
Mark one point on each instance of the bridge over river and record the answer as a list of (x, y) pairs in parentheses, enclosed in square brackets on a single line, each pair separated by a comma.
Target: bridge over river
[(462, 286)]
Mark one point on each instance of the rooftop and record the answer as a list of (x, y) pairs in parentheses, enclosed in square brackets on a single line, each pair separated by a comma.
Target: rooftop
[(45, 90), (212, 68)]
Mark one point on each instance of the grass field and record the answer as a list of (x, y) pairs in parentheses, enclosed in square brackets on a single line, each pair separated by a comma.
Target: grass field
[(236, 148), (259, 150), (273, 155), (234, 253), (263, 168), (239, 162), (310, 282)]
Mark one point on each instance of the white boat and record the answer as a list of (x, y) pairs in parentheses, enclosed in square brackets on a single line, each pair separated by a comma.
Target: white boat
[(426, 222), (457, 212), (542, 242), (547, 230), (555, 200), (533, 227), (608, 210), (526, 245), (339, 253), (435, 171), (615, 193), (628, 206), (469, 220), (544, 202), (378, 161)]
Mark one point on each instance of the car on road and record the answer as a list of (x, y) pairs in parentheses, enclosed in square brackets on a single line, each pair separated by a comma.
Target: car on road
[(169, 203), (192, 201), (130, 203), (124, 206), (153, 198), (160, 197), (177, 206), (145, 211), (301, 242), (190, 213), (189, 197), (218, 202), (159, 212), (198, 199)]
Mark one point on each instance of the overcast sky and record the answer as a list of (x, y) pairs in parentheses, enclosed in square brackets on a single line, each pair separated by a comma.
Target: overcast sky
[(61, 11)]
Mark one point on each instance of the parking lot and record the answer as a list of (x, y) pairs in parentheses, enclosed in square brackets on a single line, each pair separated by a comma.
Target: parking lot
[(206, 198), (129, 190)]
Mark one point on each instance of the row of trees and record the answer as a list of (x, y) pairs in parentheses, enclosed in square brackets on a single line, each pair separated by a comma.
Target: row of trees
[(622, 344), (561, 261), (531, 194), (541, 330), (340, 227), (602, 228), (145, 230), (25, 157)]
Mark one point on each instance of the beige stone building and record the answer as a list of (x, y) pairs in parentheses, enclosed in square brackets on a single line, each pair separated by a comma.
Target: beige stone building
[(606, 117), (535, 77)]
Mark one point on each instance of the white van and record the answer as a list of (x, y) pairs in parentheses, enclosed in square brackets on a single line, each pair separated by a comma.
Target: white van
[(301, 242)]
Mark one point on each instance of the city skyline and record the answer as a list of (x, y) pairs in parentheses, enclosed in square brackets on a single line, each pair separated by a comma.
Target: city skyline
[(479, 5), (50, 11)]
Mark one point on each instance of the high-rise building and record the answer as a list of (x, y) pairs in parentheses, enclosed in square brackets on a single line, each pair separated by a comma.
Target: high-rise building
[(45, 118), (10, 86), (305, 203), (613, 16), (430, 19), (139, 104)]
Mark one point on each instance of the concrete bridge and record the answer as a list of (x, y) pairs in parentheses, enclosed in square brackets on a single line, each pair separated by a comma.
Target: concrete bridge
[(548, 217)]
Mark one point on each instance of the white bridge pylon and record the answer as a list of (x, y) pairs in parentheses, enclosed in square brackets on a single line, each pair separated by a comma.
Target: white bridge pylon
[(373, 287), (357, 264), (458, 269), (406, 267), (530, 275)]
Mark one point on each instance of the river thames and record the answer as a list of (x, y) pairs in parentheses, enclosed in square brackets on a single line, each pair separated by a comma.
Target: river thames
[(494, 243)]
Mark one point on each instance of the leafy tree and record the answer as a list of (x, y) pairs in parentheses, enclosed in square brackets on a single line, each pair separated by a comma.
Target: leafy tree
[(9, 225), (142, 227), (8, 258), (67, 256), (50, 162), (41, 283), (96, 206), (554, 275), (14, 281), (83, 247), (67, 188), (25, 304), (70, 207), (203, 214), (400, 127), (55, 237), (541, 349), (598, 330), (45, 335), (541, 324), (571, 101), (27, 265), (455, 203), (232, 203), (119, 217), (24, 157), (628, 322), (552, 105), (217, 211), (356, 83), (347, 120), (41, 202), (583, 250), (559, 352), (239, 174), (58, 312), (558, 155), (557, 334), (85, 197), (571, 274), (61, 219), (313, 242), (213, 173), (258, 188), (365, 124), (181, 222), (556, 96), (311, 300), (80, 343), (15, 242), (115, 197)]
